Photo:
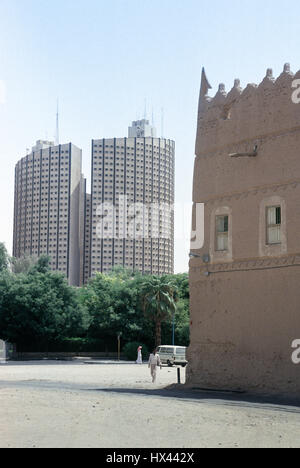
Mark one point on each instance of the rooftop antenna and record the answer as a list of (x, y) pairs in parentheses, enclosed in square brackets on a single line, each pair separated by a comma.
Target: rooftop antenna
[(162, 122), (57, 125), (145, 111), (152, 117)]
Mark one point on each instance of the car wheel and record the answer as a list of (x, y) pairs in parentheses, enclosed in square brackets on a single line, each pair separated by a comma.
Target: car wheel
[(170, 364)]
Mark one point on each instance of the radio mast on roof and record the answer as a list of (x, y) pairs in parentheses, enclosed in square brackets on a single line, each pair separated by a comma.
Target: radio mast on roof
[(162, 122), (57, 125)]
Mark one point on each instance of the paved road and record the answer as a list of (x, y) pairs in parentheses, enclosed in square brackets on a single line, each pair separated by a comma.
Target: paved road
[(73, 404)]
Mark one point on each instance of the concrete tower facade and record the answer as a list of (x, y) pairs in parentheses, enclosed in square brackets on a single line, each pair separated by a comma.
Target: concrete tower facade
[(48, 197), (132, 220)]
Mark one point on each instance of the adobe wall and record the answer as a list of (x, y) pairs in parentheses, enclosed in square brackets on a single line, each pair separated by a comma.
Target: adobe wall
[(243, 324), (245, 310)]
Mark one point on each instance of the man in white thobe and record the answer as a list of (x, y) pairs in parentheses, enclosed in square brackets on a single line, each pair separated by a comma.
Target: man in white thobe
[(154, 361)]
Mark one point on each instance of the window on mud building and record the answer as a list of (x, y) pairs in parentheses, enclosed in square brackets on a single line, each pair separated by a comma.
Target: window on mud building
[(222, 230), (274, 225)]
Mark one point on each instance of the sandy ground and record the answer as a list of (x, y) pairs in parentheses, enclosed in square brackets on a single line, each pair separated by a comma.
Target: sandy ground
[(60, 404)]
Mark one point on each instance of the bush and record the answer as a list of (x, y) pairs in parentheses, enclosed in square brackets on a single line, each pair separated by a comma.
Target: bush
[(67, 345), (130, 351), (79, 345)]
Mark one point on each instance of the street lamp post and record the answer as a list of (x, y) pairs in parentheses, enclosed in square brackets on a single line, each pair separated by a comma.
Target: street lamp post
[(119, 346), (173, 328)]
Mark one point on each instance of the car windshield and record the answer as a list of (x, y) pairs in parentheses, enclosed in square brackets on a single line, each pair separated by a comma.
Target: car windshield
[(167, 350)]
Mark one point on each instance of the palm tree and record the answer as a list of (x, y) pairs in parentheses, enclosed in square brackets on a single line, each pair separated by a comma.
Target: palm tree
[(158, 296)]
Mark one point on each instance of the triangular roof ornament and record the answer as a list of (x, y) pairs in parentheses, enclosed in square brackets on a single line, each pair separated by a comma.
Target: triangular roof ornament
[(203, 100), (205, 86)]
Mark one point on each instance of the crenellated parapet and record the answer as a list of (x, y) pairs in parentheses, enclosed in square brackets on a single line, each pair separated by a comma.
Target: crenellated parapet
[(243, 115)]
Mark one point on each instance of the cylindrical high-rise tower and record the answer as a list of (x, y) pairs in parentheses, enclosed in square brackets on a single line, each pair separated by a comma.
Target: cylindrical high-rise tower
[(132, 217), (48, 206)]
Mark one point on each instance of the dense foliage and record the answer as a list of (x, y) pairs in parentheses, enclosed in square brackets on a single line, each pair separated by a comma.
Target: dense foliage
[(4, 259), (130, 351), (39, 308), (39, 311), (159, 296)]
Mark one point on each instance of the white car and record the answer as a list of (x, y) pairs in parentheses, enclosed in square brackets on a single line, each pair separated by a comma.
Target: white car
[(172, 355)]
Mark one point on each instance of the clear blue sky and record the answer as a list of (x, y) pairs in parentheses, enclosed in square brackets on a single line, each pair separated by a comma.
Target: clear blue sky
[(103, 58)]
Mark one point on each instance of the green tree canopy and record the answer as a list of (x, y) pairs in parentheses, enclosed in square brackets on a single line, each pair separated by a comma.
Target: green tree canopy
[(23, 264), (4, 258), (114, 306), (39, 308)]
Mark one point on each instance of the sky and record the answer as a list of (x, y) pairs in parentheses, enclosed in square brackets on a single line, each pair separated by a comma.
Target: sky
[(103, 59)]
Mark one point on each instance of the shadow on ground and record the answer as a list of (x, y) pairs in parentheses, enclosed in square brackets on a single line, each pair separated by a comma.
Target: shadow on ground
[(179, 392), (213, 397)]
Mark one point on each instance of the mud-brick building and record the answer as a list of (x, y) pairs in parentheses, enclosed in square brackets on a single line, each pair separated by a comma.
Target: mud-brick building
[(245, 280)]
